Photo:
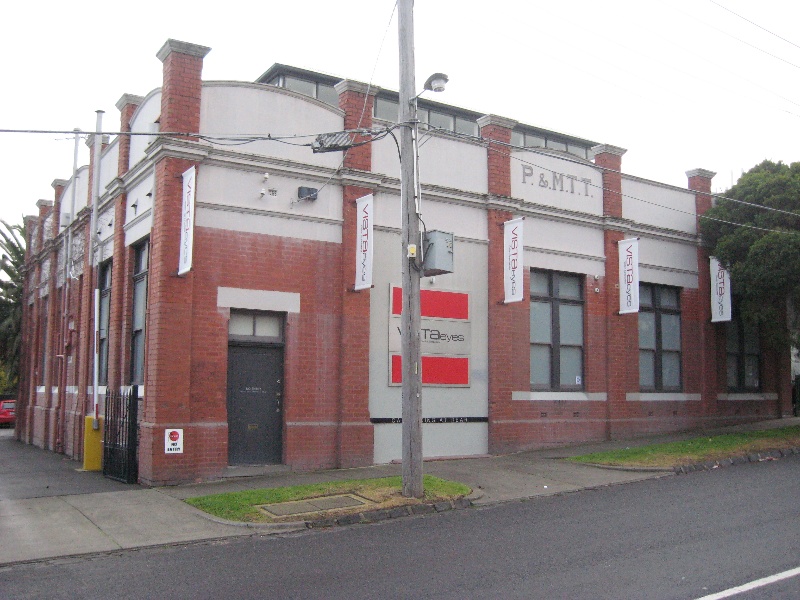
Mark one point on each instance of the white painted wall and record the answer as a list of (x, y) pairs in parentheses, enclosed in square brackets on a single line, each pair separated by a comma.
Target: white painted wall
[(231, 199), (81, 187), (443, 162), (667, 263), (109, 164), (652, 204), (144, 121), (562, 246), (471, 264), (105, 232), (228, 107), (139, 218), (556, 182), (138, 200)]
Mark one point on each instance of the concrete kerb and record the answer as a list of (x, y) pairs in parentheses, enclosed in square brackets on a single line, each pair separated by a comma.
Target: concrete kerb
[(753, 457), (368, 516), (474, 498), (384, 514)]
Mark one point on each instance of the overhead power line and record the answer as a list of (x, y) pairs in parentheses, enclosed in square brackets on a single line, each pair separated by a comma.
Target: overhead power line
[(378, 134), (629, 196), (741, 41), (754, 24)]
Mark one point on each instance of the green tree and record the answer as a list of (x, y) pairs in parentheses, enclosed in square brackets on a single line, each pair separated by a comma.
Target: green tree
[(12, 247), (755, 232)]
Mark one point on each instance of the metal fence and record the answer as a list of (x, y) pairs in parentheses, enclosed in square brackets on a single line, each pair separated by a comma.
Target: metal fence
[(121, 435)]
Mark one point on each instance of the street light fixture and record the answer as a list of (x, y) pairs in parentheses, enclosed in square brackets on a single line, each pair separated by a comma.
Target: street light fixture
[(435, 83)]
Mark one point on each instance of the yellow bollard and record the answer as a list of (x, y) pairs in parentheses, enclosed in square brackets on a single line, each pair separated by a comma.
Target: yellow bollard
[(93, 444)]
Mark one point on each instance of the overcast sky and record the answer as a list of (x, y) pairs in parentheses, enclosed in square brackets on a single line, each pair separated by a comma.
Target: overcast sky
[(680, 84)]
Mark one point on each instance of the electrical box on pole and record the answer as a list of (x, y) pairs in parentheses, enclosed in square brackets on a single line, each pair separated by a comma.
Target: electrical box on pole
[(438, 253)]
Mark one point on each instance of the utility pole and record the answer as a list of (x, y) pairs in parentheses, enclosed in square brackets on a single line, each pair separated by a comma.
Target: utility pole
[(93, 246), (410, 317)]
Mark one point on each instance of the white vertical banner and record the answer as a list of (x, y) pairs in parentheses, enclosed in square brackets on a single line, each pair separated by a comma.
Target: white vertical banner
[(364, 242), (187, 221), (512, 259), (720, 292), (628, 276)]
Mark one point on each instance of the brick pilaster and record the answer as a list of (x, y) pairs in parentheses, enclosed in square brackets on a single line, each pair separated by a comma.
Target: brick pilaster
[(60, 365), (48, 318), (702, 365), (120, 276), (502, 318), (355, 444), (622, 331), (167, 393), (609, 159), (182, 83)]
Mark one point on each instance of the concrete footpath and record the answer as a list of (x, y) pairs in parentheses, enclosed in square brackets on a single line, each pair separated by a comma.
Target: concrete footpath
[(50, 508)]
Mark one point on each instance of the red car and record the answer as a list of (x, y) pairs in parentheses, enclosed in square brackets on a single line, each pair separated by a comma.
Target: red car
[(7, 412)]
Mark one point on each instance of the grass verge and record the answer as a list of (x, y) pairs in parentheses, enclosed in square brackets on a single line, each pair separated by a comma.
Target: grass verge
[(697, 450), (384, 492)]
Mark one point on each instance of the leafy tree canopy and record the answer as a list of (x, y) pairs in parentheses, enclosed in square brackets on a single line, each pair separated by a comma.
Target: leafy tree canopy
[(759, 243), (12, 261)]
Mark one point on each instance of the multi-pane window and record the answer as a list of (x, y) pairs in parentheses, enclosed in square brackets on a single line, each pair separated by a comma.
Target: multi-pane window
[(556, 331), (252, 326), (104, 284), (743, 356), (141, 261), (321, 91), (388, 110), (536, 140), (659, 338)]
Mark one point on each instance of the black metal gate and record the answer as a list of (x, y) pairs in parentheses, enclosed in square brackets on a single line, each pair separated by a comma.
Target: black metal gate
[(121, 435)]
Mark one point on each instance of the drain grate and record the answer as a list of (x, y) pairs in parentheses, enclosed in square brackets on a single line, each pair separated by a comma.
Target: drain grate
[(300, 507)]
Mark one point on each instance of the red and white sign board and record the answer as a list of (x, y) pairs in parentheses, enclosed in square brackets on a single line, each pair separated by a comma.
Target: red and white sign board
[(445, 338), (173, 441)]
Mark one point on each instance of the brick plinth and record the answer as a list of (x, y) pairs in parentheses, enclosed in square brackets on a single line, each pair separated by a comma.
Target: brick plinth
[(205, 453)]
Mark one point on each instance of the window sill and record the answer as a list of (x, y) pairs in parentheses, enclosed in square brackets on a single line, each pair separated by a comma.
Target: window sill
[(559, 396), (744, 396), (661, 397)]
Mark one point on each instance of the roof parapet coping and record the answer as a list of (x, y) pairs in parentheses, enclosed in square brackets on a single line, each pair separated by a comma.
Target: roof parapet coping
[(607, 149), (59, 183), (105, 139), (44, 203), (704, 173), (351, 85), (171, 46), (487, 120), (127, 99)]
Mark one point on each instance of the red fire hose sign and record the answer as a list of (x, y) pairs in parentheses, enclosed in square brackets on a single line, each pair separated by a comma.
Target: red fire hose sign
[(173, 441)]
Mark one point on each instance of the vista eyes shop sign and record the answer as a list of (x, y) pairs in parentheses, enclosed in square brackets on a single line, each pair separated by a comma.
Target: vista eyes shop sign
[(445, 338), (628, 276), (720, 292)]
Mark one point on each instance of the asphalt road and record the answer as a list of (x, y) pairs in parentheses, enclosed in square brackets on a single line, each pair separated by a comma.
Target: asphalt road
[(678, 537)]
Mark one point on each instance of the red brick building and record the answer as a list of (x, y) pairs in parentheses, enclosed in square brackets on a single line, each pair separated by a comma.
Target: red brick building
[(226, 292)]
